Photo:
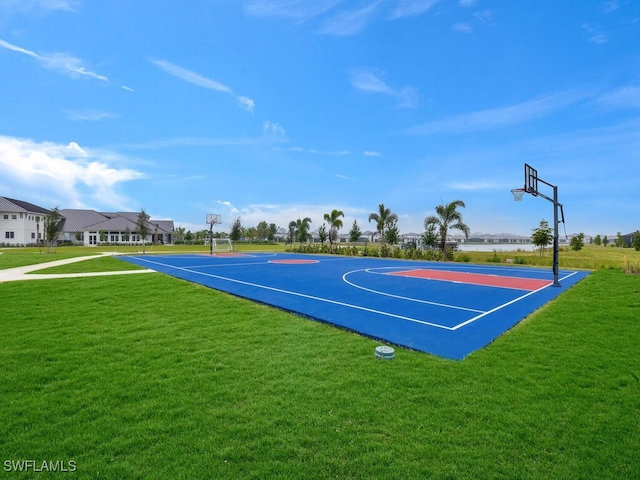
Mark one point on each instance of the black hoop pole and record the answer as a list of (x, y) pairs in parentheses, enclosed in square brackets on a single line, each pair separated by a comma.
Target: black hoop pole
[(556, 234), (211, 238)]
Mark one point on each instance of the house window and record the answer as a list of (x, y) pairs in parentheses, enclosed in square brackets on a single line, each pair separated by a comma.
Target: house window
[(6, 217), (9, 234), (21, 215), (14, 217), (33, 234)]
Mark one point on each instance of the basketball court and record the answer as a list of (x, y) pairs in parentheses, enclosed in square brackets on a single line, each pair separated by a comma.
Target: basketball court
[(445, 309)]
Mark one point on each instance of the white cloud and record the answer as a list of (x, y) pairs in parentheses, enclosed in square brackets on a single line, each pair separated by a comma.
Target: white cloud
[(412, 8), (86, 115), (462, 27), (128, 89), (485, 16), (595, 35), (368, 153), (273, 129), (624, 97), (25, 6), (197, 79), (66, 175), (349, 22), (499, 117), (59, 62), (299, 10), (246, 103), (369, 82), (339, 153), (608, 7)]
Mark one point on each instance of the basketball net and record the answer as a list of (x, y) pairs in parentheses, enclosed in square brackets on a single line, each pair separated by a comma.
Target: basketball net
[(517, 194)]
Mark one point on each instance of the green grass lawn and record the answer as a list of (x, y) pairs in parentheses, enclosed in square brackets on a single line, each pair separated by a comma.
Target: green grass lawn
[(148, 376)]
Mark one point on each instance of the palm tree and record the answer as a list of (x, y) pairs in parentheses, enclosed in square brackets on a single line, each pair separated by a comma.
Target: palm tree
[(447, 217), (300, 229), (335, 224), (180, 233), (384, 218)]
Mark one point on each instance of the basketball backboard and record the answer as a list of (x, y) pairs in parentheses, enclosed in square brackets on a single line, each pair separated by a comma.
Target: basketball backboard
[(530, 179), (214, 218)]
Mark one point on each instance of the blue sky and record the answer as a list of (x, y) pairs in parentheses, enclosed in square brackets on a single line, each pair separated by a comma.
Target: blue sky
[(274, 110)]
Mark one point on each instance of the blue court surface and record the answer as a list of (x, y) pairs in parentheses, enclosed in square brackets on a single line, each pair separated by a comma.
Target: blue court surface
[(443, 308)]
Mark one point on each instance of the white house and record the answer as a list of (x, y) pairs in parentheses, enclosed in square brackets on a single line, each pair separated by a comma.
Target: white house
[(21, 223), (91, 228)]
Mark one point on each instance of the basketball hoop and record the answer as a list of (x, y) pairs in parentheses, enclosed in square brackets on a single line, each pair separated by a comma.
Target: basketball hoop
[(517, 194)]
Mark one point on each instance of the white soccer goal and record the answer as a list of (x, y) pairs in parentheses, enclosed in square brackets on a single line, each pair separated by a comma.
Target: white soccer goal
[(221, 245)]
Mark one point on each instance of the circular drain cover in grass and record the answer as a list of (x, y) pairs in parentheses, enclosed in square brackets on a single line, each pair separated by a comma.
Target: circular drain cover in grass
[(385, 353)]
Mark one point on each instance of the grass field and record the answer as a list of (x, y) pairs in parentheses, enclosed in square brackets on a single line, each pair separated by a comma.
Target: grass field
[(148, 376)]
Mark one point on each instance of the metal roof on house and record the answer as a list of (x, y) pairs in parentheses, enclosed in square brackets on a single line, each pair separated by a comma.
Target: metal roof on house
[(81, 220), (13, 205), (115, 224), (77, 220)]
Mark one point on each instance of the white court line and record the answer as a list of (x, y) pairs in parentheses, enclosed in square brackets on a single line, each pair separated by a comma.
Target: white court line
[(303, 295), (410, 299), (500, 307), (357, 307)]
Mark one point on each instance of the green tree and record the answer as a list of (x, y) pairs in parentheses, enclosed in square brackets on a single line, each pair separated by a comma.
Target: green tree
[(251, 233), (392, 234), (301, 230), (142, 226), (354, 233), (383, 218), (180, 234), (542, 236), (620, 240), (447, 217), (236, 231), (38, 243), (605, 241), (597, 240), (322, 234), (291, 234), (262, 231), (335, 224), (52, 223), (273, 229), (636, 240), (577, 242), (430, 236)]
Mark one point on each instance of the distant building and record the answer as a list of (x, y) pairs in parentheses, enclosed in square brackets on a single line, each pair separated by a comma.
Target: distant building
[(89, 227), (22, 224)]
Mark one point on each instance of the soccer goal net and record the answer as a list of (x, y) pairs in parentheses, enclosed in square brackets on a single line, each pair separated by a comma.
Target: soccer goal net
[(221, 245)]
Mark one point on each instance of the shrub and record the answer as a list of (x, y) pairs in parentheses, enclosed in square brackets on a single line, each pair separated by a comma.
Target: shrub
[(494, 259), (463, 257)]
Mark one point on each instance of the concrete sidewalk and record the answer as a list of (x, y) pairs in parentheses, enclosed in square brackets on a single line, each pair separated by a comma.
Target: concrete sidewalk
[(23, 273)]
